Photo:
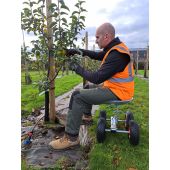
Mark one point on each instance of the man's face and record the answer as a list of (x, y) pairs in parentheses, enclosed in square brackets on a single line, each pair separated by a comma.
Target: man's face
[(100, 39)]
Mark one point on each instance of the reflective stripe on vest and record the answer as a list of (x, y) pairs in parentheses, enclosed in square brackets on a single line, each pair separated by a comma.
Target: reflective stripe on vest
[(122, 48), (123, 80)]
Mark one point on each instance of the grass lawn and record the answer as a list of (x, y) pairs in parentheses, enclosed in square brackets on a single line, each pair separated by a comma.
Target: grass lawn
[(141, 72), (116, 153), (30, 95)]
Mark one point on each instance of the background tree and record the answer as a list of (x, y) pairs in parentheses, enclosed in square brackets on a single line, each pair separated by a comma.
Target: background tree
[(24, 60)]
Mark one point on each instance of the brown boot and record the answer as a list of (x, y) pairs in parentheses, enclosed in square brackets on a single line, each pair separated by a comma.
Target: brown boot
[(87, 120), (64, 142)]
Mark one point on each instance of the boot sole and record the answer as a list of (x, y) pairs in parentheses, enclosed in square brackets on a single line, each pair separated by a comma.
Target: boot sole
[(88, 123)]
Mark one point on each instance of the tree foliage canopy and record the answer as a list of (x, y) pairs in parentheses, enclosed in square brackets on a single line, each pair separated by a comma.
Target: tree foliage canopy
[(65, 26)]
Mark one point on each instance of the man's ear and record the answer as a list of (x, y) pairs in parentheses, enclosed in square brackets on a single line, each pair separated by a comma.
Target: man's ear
[(107, 35)]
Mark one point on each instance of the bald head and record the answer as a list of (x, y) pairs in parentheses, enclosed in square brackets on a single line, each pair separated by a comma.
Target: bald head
[(107, 28), (105, 33)]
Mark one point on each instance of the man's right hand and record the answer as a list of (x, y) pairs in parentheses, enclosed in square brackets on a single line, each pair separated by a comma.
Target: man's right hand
[(70, 52)]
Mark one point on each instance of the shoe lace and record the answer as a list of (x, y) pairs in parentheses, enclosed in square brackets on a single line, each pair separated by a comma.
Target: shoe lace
[(65, 137)]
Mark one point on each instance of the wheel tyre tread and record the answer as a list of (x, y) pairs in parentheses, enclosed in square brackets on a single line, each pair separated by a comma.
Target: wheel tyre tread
[(134, 133), (102, 114), (101, 134), (128, 117)]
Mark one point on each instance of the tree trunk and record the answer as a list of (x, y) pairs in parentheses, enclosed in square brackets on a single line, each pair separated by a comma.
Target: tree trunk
[(27, 75), (67, 68), (52, 115), (28, 79)]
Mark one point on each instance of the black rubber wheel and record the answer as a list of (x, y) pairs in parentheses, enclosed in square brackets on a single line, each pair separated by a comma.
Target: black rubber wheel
[(101, 126), (128, 117), (133, 133), (102, 114)]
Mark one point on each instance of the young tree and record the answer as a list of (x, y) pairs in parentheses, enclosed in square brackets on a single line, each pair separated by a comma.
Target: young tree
[(55, 32)]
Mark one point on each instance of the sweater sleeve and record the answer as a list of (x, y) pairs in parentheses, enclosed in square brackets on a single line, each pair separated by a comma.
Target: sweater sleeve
[(94, 55), (114, 63)]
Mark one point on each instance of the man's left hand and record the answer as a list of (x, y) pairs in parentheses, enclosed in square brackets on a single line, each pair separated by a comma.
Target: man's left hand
[(76, 67)]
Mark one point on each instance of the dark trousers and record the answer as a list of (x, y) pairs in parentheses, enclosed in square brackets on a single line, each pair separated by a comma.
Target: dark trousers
[(81, 103)]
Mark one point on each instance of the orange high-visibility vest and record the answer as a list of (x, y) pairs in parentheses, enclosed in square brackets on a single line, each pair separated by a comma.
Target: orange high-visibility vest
[(122, 83)]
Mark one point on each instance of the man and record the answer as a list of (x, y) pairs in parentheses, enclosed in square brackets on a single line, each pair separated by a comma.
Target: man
[(116, 73)]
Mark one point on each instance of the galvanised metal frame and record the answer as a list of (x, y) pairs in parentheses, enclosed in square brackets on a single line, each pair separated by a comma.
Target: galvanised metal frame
[(114, 119)]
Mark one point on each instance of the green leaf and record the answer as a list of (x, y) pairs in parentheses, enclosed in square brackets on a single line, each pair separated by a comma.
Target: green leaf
[(65, 7), (42, 6), (35, 10), (27, 12), (29, 30), (61, 1), (63, 13), (82, 17), (73, 17), (75, 12), (65, 24), (37, 14), (26, 9), (55, 14), (52, 5), (40, 1), (77, 5), (26, 3), (64, 20), (81, 2), (25, 20), (83, 10), (31, 4), (33, 50), (55, 29), (81, 23)]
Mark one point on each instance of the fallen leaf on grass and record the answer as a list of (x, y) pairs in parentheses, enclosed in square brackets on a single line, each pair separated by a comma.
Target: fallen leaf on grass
[(116, 161), (132, 169), (116, 149)]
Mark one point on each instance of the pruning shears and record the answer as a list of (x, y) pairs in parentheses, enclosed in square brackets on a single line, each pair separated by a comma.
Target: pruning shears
[(27, 137)]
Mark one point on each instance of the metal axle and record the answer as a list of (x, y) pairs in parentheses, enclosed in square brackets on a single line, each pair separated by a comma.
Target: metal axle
[(115, 130)]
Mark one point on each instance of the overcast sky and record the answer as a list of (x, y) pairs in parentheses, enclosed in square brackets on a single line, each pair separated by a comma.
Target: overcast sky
[(129, 17)]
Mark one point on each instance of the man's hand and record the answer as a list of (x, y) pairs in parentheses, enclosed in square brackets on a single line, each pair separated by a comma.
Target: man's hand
[(76, 67), (70, 52)]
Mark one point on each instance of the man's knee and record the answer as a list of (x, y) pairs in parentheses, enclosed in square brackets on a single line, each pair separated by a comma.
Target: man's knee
[(72, 97)]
